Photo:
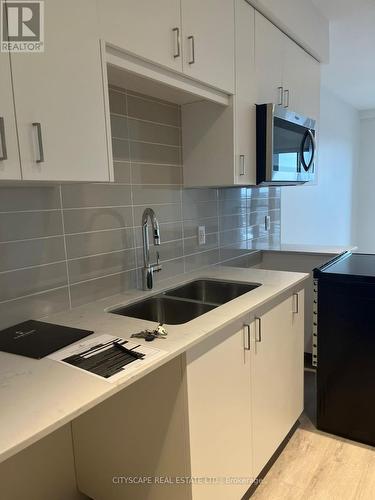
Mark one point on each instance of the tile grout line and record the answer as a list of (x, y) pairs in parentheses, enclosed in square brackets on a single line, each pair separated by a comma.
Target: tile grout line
[(151, 163), (100, 254), (182, 195), (35, 266), (39, 210), (36, 238), (143, 120), (131, 192), (218, 222), (41, 292), (142, 97), (65, 248), (138, 141)]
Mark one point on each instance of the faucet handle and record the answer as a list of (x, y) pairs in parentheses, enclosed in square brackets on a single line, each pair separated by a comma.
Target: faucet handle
[(157, 266), (156, 236), (149, 280)]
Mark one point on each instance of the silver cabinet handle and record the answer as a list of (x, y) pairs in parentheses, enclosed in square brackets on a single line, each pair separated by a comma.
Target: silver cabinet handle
[(242, 164), (286, 98), (192, 60), (258, 330), (40, 142), (178, 42), (281, 93), (247, 337), (295, 303), (4, 154)]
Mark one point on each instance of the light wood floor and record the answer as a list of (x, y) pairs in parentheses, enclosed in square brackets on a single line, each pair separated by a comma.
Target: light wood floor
[(319, 466)]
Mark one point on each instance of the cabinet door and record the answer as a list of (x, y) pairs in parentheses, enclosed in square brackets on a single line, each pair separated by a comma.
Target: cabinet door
[(277, 377), (269, 57), (9, 156), (301, 80), (148, 29), (218, 385), (244, 101), (61, 91), (208, 29)]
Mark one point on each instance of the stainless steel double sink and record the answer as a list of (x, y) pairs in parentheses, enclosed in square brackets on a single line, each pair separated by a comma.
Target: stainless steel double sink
[(186, 302)]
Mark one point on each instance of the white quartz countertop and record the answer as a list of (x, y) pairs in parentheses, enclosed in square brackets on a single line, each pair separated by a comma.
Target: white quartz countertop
[(39, 396), (315, 249)]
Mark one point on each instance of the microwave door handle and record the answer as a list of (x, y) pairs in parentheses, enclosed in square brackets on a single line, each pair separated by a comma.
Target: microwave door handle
[(310, 135)]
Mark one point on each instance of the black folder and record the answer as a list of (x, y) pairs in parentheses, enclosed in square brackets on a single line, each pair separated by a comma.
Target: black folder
[(37, 339)]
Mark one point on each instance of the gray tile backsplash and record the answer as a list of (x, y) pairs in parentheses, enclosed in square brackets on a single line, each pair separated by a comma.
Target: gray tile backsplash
[(63, 246)]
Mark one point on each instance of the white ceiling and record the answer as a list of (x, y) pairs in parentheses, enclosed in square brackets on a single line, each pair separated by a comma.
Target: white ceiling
[(351, 71)]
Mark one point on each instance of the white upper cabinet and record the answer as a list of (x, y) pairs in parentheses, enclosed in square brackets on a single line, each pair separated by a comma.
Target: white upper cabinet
[(286, 75), (208, 34), (60, 99), (219, 142), (9, 156), (151, 30), (269, 61), (192, 37), (301, 80), (244, 101)]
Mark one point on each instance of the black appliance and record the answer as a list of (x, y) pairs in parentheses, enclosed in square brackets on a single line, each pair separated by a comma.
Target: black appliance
[(344, 346), (286, 146)]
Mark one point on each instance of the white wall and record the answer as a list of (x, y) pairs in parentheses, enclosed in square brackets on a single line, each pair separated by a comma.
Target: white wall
[(321, 214), (364, 226)]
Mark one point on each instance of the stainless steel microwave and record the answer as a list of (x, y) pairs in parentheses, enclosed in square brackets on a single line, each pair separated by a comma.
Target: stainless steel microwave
[(286, 146)]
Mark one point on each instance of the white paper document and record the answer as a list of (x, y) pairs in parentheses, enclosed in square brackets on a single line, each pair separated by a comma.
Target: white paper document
[(101, 358)]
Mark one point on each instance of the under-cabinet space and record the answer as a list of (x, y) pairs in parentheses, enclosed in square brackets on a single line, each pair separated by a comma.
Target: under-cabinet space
[(138, 433), (42, 471)]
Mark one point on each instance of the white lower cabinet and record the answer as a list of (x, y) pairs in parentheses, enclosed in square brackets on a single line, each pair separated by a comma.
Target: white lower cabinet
[(214, 416), (245, 393), (276, 376), (219, 414)]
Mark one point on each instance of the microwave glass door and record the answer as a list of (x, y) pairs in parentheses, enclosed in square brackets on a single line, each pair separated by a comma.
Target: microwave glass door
[(293, 152)]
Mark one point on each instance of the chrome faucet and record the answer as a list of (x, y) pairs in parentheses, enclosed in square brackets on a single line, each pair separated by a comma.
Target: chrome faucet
[(149, 269)]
